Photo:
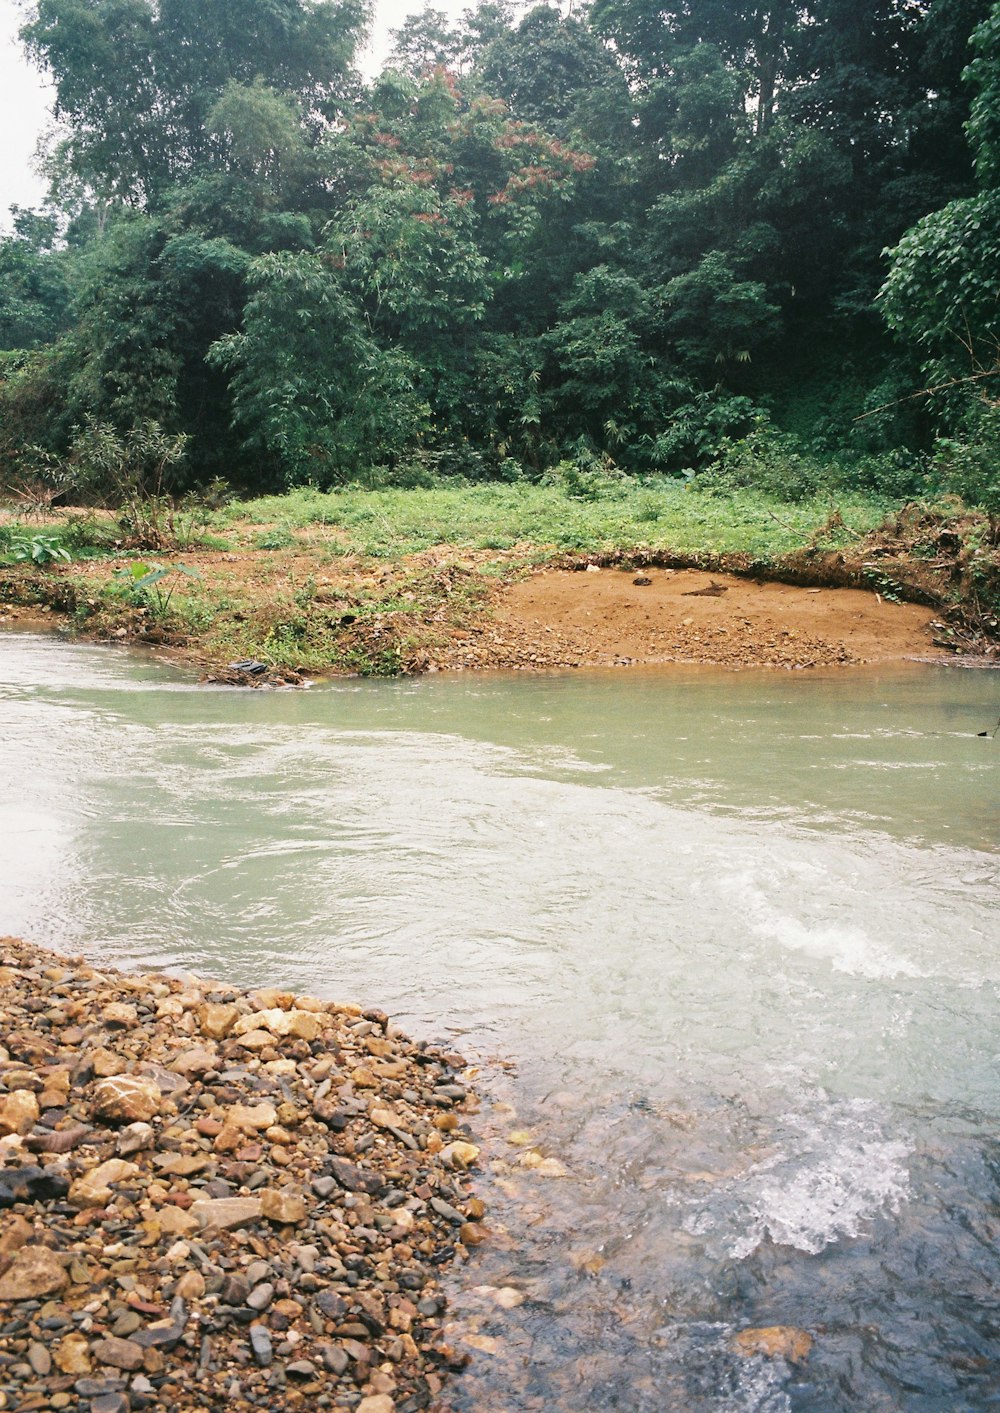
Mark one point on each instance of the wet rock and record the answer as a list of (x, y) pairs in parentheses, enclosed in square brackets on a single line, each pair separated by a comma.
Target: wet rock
[(775, 1342), (224, 1237), (355, 1179)]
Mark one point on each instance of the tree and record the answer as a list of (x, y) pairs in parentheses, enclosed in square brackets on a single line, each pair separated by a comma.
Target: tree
[(136, 80), (942, 294)]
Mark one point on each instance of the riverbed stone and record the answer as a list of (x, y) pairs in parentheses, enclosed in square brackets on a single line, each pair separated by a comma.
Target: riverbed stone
[(227, 1213), (280, 1205), (126, 1099), (119, 1353), (239, 1222), (36, 1270), (19, 1112)]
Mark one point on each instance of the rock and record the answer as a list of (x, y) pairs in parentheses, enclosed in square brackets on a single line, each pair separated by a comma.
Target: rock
[(72, 1355), (335, 1359), (36, 1271), (94, 1188), (31, 1184), (18, 1112), (260, 1345), (119, 1013), (174, 1221), (110, 1403), (251, 1118), (376, 1403), (260, 1297), (459, 1156), (40, 1360), (119, 1353), (216, 1021), (277, 1204), (300, 1369), (775, 1342), (134, 1138), (226, 1213), (446, 1210), (125, 1099), (16, 1233), (355, 1179), (191, 1286), (302, 1024)]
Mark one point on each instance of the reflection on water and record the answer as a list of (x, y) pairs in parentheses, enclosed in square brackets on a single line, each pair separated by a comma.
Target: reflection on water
[(726, 949)]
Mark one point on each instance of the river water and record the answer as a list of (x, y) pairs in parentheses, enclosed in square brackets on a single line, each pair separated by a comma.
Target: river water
[(726, 949)]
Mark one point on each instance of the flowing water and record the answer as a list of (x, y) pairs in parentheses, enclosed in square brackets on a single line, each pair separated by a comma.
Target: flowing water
[(726, 948)]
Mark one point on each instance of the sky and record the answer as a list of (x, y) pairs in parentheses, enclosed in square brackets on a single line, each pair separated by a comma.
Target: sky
[(25, 99)]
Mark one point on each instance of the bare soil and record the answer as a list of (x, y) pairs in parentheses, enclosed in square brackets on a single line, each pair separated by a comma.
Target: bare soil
[(604, 617)]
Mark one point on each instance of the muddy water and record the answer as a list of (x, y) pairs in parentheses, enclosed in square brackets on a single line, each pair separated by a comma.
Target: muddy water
[(727, 948)]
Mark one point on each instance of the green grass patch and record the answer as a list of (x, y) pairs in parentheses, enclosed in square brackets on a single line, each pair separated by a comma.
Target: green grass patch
[(662, 515)]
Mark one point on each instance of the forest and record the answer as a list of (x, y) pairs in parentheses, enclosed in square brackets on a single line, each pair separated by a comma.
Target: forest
[(755, 241)]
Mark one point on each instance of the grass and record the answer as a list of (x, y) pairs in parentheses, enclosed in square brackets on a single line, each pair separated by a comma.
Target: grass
[(662, 515)]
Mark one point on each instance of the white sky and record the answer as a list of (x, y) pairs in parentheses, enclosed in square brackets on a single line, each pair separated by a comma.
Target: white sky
[(25, 99)]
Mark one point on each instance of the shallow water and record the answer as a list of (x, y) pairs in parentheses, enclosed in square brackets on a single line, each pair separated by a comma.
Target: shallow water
[(727, 948)]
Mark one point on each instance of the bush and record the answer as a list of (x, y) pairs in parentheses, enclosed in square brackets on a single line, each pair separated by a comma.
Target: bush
[(968, 463), (769, 461)]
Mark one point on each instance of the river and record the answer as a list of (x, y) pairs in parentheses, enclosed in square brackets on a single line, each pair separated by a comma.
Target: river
[(726, 949)]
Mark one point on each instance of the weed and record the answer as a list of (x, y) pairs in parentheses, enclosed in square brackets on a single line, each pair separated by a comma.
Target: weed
[(41, 550)]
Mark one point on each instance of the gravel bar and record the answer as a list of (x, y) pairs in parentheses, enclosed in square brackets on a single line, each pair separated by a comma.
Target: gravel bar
[(213, 1197)]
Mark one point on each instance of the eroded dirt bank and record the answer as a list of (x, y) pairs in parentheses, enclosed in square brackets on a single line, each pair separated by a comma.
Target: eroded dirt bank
[(212, 1198)]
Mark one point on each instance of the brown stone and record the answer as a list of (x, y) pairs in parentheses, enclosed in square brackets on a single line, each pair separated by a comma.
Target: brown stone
[(36, 1271), (16, 1233), (216, 1021), (118, 1013), (72, 1355), (277, 1204), (252, 1118), (106, 1063), (191, 1286), (18, 1112), (226, 1213), (126, 1099), (93, 1189), (119, 1353)]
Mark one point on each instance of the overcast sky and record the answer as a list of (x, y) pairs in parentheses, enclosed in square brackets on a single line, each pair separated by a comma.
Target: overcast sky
[(24, 98)]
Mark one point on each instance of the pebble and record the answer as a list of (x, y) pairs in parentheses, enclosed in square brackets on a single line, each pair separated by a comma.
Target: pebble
[(246, 1195)]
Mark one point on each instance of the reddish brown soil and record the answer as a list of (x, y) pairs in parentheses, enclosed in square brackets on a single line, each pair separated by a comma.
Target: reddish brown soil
[(603, 617)]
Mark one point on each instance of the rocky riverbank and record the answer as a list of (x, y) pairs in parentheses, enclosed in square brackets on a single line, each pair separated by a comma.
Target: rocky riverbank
[(217, 1198)]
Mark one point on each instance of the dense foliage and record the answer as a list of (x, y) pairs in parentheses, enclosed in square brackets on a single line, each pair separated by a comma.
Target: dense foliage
[(639, 237)]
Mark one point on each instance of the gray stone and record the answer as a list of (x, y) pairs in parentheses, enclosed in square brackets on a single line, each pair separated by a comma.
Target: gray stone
[(260, 1345), (260, 1297)]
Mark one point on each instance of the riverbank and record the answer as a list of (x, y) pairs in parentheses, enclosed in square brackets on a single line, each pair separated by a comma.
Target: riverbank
[(215, 1198), (329, 589)]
